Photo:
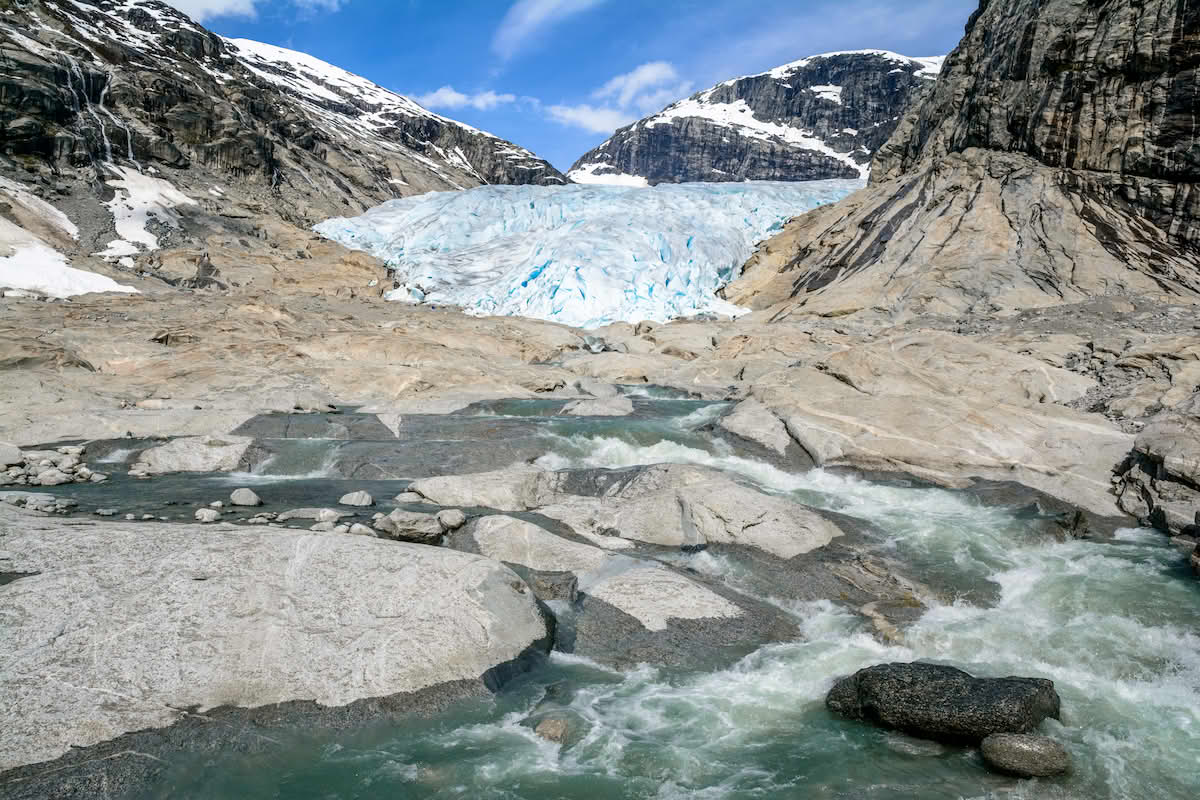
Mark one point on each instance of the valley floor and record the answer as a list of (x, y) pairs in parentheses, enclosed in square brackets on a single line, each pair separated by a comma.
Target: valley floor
[(750, 509)]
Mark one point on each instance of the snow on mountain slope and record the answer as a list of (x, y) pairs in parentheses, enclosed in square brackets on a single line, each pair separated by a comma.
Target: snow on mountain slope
[(156, 136), (357, 106), (580, 255), (28, 262), (819, 117)]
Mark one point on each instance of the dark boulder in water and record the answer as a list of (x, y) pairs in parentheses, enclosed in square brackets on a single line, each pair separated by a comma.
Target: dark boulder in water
[(1025, 755), (943, 703)]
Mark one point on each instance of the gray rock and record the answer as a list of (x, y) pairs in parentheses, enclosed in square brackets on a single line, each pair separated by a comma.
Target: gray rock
[(323, 527), (358, 529), (196, 454), (245, 497), (207, 515), (753, 421), (410, 526), (317, 514), (943, 703), (53, 477), (616, 406), (357, 499), (451, 519), (553, 729), (98, 477), (10, 455), (1025, 755), (164, 643), (596, 388), (109, 512)]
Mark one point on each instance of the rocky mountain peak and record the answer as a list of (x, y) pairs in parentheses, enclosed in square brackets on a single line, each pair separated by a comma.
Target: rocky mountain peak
[(816, 118)]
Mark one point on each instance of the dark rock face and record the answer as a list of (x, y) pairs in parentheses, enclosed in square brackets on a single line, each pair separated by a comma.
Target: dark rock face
[(141, 85), (1160, 483), (821, 117), (1054, 160), (943, 703), (1025, 755)]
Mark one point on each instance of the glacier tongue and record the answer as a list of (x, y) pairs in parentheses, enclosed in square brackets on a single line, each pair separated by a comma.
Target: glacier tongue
[(580, 255)]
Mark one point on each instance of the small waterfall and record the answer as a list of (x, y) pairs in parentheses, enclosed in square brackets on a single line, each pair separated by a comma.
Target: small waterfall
[(77, 84), (118, 122)]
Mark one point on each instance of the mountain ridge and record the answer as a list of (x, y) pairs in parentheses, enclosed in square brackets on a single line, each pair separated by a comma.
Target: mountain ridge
[(819, 117)]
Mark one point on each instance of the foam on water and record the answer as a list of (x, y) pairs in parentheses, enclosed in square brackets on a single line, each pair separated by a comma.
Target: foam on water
[(581, 255)]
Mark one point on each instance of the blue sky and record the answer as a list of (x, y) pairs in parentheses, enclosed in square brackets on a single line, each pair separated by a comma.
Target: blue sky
[(558, 76)]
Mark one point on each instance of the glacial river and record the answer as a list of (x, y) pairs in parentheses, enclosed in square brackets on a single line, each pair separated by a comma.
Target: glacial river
[(1111, 622)]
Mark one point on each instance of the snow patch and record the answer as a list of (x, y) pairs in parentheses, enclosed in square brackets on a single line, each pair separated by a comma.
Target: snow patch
[(828, 92), (584, 255), (587, 174), (140, 198), (740, 117), (29, 264)]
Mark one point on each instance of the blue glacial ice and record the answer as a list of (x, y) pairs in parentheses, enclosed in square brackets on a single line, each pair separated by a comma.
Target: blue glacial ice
[(580, 255)]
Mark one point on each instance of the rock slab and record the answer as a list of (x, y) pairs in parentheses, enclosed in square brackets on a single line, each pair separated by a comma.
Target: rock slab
[(125, 624)]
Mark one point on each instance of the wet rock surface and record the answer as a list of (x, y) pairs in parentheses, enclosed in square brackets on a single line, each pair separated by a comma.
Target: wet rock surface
[(943, 703), (1025, 755)]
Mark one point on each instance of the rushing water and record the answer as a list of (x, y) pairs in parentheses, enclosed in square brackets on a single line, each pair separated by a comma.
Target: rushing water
[(1113, 623)]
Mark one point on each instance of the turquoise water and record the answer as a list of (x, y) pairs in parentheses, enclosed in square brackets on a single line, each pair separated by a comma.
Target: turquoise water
[(1113, 623)]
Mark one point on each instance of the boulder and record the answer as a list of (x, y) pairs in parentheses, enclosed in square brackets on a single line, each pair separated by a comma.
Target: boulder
[(358, 529), (53, 477), (753, 421), (691, 507), (616, 406), (317, 514), (196, 454), (1025, 755), (245, 497), (410, 526), (451, 519), (595, 388), (98, 645), (517, 488), (360, 499), (943, 703), (553, 729), (205, 515), (10, 455)]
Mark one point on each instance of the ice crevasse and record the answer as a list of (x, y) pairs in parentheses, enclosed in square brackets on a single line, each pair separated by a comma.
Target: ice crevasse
[(581, 255)]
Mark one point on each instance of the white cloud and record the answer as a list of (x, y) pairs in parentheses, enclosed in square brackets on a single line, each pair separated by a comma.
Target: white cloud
[(592, 120), (526, 19), (449, 97), (643, 90), (626, 88), (201, 10)]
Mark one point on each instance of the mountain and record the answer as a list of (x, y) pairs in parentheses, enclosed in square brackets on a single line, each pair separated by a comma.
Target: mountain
[(820, 117), (1055, 160), (150, 131)]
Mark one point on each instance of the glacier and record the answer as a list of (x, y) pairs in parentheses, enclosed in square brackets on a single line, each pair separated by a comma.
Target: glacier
[(582, 255)]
